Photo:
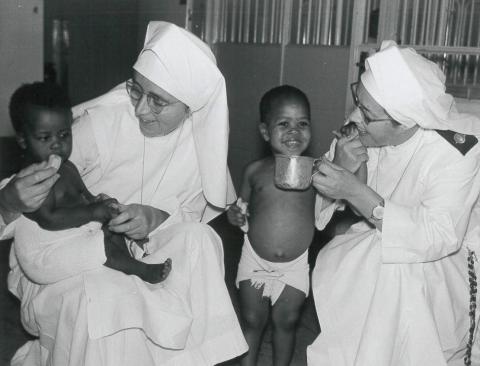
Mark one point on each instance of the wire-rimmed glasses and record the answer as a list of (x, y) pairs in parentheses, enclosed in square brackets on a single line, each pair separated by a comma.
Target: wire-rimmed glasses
[(356, 101), (155, 103)]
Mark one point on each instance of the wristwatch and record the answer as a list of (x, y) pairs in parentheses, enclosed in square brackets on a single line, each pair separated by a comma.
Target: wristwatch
[(377, 211)]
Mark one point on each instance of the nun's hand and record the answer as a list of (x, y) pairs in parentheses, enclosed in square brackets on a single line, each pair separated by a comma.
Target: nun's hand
[(348, 130), (334, 181), (137, 221), (27, 190), (349, 152)]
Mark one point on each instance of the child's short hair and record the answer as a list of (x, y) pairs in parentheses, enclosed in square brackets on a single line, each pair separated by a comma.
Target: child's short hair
[(40, 94), (281, 92)]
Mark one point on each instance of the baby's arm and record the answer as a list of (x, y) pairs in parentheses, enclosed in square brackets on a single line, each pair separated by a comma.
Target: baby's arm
[(51, 217), (56, 213), (237, 213)]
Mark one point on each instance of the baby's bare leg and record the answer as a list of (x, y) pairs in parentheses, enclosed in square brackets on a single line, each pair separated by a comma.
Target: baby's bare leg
[(285, 315), (254, 310), (119, 258)]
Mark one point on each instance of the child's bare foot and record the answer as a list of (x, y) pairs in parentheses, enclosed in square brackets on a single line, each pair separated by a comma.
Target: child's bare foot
[(156, 273)]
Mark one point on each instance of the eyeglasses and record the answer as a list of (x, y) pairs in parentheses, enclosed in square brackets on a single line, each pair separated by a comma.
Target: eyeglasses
[(155, 103), (356, 101)]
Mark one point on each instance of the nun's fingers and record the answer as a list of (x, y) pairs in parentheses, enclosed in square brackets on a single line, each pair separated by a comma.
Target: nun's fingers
[(36, 201), (132, 220), (363, 157), (26, 192), (123, 227), (346, 153), (334, 181), (327, 168), (323, 184), (27, 178), (122, 217), (137, 229), (32, 168), (361, 153)]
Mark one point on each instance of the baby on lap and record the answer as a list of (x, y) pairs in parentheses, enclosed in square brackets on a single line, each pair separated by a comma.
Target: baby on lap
[(42, 119)]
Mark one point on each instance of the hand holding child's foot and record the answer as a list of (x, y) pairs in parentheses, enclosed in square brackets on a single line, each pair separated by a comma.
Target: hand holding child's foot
[(112, 203), (156, 273), (103, 211)]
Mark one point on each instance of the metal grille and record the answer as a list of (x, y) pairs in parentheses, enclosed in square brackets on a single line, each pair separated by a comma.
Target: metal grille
[(303, 22), (461, 71), (445, 31), (322, 22), (439, 22), (451, 26)]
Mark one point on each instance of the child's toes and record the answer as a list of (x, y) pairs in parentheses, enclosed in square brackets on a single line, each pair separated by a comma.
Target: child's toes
[(167, 267)]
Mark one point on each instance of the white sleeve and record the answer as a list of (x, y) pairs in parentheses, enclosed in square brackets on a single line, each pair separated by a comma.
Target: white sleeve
[(48, 257), (6, 230), (189, 211), (85, 154), (323, 216), (436, 227)]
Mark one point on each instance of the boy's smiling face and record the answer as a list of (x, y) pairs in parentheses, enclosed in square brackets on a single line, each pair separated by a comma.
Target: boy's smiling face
[(287, 127), (46, 132)]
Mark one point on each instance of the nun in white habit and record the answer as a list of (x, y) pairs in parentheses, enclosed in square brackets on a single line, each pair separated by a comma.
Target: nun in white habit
[(396, 288), (158, 144)]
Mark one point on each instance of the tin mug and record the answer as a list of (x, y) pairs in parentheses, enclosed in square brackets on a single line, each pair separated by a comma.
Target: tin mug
[(294, 172)]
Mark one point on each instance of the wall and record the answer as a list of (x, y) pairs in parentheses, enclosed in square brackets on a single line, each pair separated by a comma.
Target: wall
[(106, 36), (250, 70), (168, 10), (21, 61), (322, 73), (103, 43)]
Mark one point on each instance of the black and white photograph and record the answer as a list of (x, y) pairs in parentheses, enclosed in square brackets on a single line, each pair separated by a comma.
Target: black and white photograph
[(239, 182)]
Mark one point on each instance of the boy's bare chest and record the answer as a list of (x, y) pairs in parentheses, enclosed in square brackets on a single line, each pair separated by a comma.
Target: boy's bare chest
[(264, 191)]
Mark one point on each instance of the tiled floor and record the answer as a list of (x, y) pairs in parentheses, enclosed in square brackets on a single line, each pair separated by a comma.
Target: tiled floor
[(12, 336)]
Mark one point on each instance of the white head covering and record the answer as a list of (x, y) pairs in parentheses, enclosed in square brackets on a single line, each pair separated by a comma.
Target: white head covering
[(184, 66), (180, 63), (412, 90)]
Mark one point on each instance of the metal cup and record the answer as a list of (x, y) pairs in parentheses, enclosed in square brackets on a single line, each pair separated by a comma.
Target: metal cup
[(294, 172)]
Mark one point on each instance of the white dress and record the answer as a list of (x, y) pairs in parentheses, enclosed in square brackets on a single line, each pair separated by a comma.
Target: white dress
[(103, 317), (400, 297)]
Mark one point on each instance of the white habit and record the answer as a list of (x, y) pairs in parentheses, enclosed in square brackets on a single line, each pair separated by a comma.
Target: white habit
[(400, 297), (102, 317)]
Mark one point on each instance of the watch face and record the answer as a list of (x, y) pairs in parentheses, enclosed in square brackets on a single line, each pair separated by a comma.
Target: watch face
[(377, 212)]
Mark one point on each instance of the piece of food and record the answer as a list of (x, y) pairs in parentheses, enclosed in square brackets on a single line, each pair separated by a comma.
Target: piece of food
[(54, 161)]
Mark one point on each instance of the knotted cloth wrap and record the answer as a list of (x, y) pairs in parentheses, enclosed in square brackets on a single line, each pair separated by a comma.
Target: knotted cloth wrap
[(412, 90), (181, 64)]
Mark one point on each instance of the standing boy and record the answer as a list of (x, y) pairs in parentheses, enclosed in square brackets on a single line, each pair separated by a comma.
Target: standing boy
[(274, 263)]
